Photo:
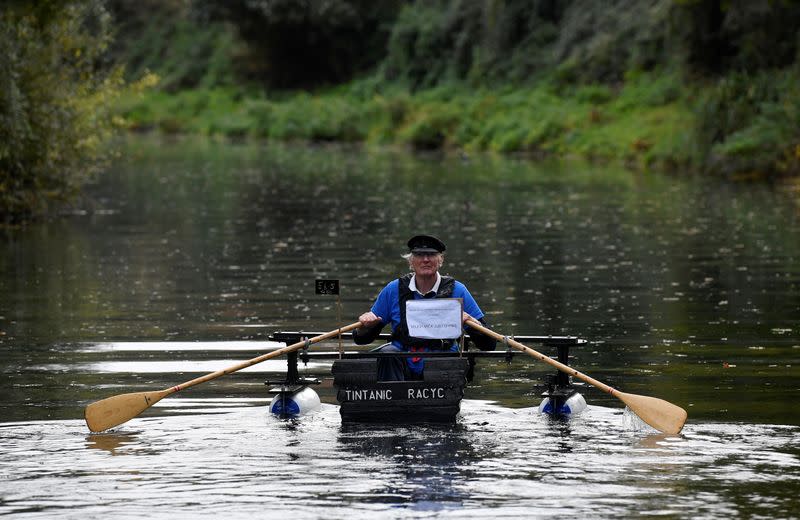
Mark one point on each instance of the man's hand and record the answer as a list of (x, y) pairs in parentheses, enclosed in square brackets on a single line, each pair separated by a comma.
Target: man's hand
[(370, 319)]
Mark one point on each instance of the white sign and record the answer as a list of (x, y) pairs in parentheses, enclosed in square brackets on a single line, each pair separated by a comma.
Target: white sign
[(436, 318)]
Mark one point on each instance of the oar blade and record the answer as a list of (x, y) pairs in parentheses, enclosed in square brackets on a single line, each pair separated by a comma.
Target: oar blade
[(113, 411), (658, 413)]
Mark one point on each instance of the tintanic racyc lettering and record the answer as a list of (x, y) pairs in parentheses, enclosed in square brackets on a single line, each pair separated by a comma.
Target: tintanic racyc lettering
[(386, 394)]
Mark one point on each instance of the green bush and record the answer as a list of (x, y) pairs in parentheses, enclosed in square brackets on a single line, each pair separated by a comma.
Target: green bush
[(165, 38), (594, 94), (752, 123), (53, 103), (429, 127)]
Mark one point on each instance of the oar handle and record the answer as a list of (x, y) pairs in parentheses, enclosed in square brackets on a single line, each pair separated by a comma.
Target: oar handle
[(538, 355), (259, 359)]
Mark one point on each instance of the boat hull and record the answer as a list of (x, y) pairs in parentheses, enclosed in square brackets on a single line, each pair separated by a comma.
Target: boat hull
[(434, 398)]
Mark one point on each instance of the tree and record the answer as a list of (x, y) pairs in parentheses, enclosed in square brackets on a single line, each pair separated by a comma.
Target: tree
[(299, 44), (53, 102)]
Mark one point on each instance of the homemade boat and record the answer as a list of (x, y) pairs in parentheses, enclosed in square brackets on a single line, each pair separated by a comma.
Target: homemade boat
[(662, 415), (436, 397)]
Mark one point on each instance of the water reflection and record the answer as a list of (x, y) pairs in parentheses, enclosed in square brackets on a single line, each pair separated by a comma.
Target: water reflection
[(110, 442), (560, 433), (506, 462), (671, 279), (427, 461), (686, 288)]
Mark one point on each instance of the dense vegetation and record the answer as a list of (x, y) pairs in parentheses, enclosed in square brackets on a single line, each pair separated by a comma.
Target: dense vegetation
[(704, 85), (53, 101), (700, 85)]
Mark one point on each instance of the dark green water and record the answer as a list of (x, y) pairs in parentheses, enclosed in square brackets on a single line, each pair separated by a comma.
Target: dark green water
[(191, 253)]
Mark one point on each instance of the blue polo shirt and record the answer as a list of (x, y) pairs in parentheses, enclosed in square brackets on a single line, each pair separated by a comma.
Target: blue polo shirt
[(387, 305)]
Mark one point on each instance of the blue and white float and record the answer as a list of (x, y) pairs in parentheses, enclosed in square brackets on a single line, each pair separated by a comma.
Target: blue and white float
[(291, 403), (293, 395), (573, 405)]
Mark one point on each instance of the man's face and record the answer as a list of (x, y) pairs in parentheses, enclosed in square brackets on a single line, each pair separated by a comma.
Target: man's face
[(425, 264)]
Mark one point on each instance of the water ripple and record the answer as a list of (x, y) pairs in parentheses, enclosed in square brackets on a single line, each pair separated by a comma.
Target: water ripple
[(494, 460)]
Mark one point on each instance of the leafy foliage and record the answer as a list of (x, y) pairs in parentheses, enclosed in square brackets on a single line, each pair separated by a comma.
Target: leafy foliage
[(53, 102), (704, 83), (168, 37), (720, 36), (291, 44), (644, 123), (521, 40), (750, 123), (707, 83), (441, 41)]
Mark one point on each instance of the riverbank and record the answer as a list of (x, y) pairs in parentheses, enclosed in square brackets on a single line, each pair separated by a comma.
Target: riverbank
[(652, 121)]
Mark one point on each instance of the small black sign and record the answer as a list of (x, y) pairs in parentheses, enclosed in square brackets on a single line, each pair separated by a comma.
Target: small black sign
[(327, 286)]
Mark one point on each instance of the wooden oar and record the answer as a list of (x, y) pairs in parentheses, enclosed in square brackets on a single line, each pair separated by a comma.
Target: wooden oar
[(661, 415), (113, 411)]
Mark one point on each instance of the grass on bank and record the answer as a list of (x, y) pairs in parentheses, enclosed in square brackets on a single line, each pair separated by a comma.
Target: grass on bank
[(650, 121)]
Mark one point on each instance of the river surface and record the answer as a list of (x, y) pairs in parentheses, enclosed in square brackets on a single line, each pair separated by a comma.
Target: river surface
[(187, 254)]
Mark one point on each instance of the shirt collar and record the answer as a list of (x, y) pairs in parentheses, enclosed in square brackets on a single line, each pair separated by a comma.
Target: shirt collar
[(413, 284)]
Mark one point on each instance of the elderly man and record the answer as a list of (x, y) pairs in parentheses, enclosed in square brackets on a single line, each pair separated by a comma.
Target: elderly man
[(425, 258)]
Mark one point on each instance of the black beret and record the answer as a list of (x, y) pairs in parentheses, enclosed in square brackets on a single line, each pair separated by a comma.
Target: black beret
[(426, 244)]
